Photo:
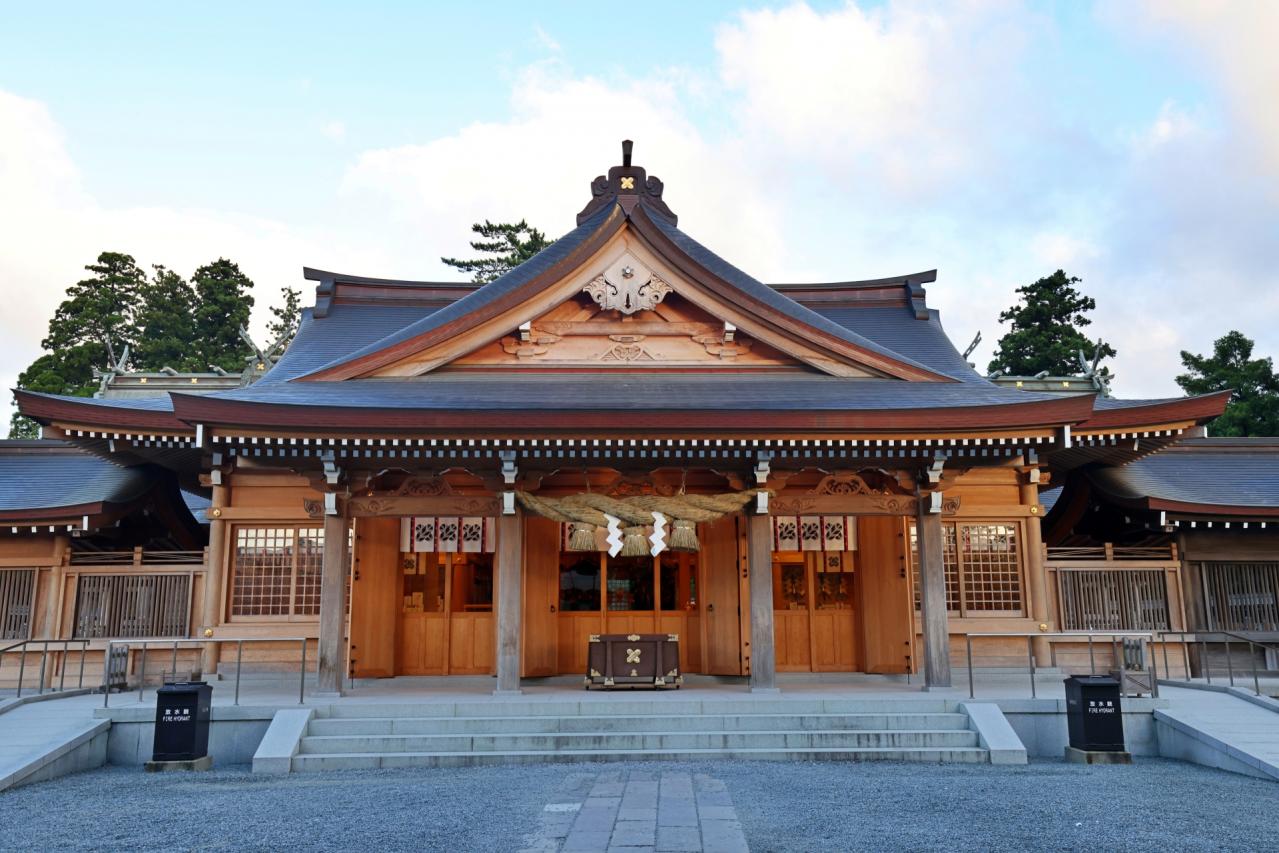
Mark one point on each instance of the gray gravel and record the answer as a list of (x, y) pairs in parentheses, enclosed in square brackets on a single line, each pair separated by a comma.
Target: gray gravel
[(1151, 806)]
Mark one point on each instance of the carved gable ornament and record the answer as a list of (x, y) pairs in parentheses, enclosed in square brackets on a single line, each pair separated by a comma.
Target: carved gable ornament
[(627, 286)]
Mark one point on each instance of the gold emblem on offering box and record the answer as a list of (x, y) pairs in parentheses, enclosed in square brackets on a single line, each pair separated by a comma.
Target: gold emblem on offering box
[(634, 673), (634, 638), (633, 655)]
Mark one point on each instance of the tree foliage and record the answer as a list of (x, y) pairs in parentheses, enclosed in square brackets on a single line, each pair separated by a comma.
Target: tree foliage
[(223, 306), (505, 246), (287, 318), (1254, 400), (164, 322), (1046, 332)]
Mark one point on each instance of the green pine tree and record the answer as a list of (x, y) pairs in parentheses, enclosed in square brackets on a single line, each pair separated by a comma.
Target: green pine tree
[(1254, 402), (167, 323), (287, 318), (101, 309), (1046, 333), (223, 306), (505, 246), (89, 329)]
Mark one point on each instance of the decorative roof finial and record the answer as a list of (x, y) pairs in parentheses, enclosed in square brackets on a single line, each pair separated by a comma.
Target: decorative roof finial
[(627, 186)]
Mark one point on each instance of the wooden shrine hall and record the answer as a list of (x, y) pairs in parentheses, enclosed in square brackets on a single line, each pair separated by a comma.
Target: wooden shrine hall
[(625, 434)]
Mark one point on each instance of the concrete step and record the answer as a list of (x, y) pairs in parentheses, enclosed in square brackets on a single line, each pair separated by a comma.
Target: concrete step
[(667, 703), (351, 726), (371, 761), (637, 741)]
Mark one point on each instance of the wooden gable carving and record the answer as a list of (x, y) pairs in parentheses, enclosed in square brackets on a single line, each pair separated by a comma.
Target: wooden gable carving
[(623, 309)]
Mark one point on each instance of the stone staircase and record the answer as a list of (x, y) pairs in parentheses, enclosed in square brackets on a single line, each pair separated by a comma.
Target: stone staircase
[(660, 728)]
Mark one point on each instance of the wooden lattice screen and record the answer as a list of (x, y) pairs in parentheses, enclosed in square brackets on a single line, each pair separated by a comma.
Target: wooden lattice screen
[(17, 586), (132, 605), (1114, 600), (1242, 596)]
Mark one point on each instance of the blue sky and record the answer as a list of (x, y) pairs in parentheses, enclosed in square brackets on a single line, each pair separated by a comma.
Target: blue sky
[(1134, 144)]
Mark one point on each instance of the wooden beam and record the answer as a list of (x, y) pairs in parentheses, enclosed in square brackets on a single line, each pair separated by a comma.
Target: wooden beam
[(932, 599), (1036, 573), (760, 565)]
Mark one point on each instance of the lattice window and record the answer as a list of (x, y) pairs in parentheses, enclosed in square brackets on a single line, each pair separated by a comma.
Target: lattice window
[(277, 572), (1127, 600), (991, 571), (983, 568), (17, 586), (950, 563), (1242, 596)]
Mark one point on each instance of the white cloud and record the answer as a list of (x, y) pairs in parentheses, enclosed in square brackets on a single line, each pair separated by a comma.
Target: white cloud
[(335, 130), (1234, 43), (52, 227), (538, 164)]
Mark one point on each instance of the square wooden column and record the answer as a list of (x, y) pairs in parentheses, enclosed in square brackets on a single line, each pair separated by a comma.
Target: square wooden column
[(1037, 574), (215, 572), (759, 554), (510, 599), (334, 576), (932, 596)]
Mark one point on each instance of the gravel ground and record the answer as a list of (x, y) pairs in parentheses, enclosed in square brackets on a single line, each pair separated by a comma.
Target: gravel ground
[(1151, 806)]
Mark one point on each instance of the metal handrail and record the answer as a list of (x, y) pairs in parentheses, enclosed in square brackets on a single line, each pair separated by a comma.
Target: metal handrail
[(1198, 637), (1114, 637), (44, 658), (239, 656)]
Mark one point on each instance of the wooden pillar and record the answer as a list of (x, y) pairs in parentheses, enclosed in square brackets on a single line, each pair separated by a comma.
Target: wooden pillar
[(1037, 574), (215, 571), (510, 577), (759, 555), (932, 597), (333, 587)]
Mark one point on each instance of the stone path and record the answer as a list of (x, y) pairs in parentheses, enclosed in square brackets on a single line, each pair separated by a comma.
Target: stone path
[(639, 811)]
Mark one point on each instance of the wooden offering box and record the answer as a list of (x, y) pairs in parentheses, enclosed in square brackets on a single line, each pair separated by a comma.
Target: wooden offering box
[(634, 660)]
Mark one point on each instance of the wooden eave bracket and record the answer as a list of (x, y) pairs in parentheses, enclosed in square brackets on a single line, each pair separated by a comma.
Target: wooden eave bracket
[(510, 470)]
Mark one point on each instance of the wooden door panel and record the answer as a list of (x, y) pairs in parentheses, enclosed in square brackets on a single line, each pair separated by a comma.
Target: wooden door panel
[(720, 581), (834, 640), (422, 638), (884, 607), (471, 644), (541, 595), (375, 597), (575, 630), (790, 638)]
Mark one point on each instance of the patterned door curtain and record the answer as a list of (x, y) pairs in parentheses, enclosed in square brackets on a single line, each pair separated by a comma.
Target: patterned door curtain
[(814, 533), (446, 534)]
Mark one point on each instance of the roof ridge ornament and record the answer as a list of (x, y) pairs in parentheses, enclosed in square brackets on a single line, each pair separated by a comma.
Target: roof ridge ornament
[(628, 186)]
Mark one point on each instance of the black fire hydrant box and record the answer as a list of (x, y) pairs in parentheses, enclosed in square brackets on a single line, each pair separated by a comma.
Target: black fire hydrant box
[(182, 712), (1094, 715)]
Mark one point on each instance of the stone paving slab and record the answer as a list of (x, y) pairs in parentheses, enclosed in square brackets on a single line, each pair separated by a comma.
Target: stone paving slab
[(639, 812)]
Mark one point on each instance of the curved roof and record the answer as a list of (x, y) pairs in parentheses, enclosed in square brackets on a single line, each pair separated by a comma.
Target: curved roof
[(1225, 476), (45, 479)]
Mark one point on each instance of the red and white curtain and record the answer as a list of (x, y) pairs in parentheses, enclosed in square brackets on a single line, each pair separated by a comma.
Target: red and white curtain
[(446, 534), (814, 533)]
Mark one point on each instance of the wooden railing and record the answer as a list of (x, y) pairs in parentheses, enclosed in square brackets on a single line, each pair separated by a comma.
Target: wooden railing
[(1111, 553), (137, 557)]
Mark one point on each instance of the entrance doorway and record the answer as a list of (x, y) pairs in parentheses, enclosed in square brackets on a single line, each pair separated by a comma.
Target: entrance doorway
[(599, 594), (814, 611), (446, 614)]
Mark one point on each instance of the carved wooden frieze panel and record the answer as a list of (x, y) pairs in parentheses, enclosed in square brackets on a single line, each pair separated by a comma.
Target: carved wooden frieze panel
[(853, 504), (424, 505), (627, 286)]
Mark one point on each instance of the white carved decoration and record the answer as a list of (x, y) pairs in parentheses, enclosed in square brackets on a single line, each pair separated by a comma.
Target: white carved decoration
[(627, 286)]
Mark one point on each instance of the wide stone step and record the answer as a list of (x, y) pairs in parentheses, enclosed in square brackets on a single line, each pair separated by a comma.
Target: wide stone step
[(638, 741), (649, 703), (373, 761), (633, 723)]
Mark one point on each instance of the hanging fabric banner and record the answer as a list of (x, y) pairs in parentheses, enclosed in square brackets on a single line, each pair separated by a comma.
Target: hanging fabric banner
[(814, 533), (429, 534)]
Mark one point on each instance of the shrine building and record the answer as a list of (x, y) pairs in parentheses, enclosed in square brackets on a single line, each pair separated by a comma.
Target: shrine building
[(625, 434)]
